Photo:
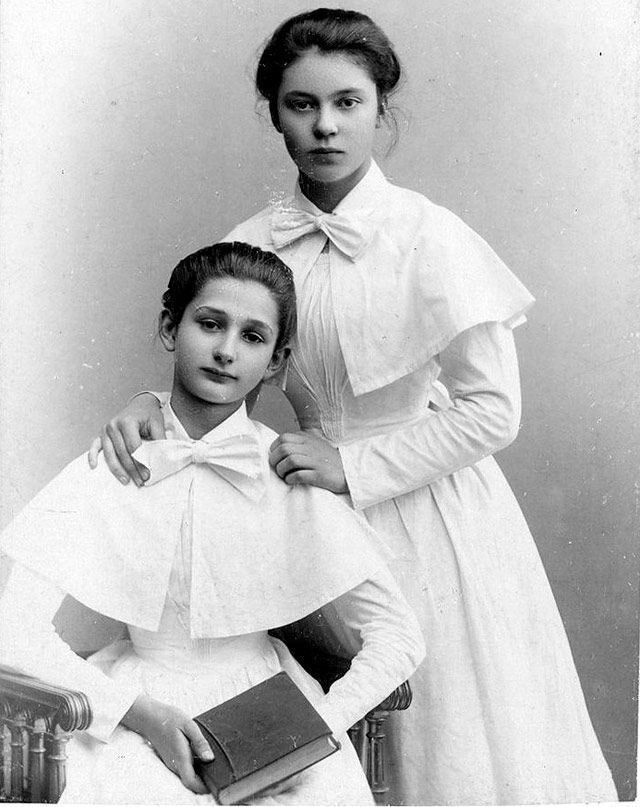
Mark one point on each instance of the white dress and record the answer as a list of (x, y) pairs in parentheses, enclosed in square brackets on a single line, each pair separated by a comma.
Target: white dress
[(111, 764), (498, 714), (170, 666)]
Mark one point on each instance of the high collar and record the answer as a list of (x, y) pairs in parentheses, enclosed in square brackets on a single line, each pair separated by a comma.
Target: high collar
[(235, 425), (422, 279), (362, 198)]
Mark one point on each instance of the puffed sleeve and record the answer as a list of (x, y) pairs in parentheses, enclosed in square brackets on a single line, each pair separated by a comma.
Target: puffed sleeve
[(480, 371), (30, 645), (392, 647)]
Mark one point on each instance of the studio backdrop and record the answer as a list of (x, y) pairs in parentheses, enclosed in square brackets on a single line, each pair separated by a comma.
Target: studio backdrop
[(131, 136)]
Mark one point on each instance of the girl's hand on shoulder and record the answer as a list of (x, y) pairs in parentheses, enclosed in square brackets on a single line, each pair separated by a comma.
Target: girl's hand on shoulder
[(140, 420), (302, 458), (175, 737)]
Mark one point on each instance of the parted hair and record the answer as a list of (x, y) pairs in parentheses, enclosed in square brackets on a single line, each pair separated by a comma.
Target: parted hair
[(239, 261), (330, 30)]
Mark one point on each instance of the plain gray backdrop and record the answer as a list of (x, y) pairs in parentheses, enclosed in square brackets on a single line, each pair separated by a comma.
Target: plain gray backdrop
[(131, 137)]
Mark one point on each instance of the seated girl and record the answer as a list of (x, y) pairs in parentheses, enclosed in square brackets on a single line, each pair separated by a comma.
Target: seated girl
[(201, 563)]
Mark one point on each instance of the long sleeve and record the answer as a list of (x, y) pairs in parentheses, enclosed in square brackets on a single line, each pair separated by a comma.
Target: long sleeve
[(30, 645), (480, 371), (391, 649)]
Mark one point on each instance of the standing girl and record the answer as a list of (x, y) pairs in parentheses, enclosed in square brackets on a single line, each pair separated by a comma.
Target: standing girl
[(399, 300), (201, 563)]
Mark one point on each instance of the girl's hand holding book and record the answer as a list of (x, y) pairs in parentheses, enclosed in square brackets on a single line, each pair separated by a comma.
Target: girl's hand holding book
[(175, 737)]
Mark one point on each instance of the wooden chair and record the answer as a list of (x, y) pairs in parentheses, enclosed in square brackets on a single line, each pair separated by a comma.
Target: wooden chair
[(37, 719), (321, 645), (369, 738)]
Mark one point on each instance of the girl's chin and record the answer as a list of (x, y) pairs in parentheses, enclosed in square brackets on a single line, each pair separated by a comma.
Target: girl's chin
[(332, 173)]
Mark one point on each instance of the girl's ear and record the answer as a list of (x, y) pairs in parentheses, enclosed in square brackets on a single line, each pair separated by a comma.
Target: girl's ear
[(382, 111), (277, 362), (167, 330)]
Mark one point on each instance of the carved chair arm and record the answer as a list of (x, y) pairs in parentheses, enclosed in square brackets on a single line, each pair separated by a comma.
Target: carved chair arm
[(35, 721)]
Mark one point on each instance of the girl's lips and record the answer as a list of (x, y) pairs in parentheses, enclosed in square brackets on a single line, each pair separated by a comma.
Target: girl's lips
[(328, 156), (219, 375)]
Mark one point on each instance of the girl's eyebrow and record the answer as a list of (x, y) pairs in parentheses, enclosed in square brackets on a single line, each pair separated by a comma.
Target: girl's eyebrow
[(305, 94), (249, 323), (259, 324)]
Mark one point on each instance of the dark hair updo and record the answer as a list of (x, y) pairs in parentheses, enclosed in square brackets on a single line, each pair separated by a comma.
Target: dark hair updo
[(331, 30), (241, 262)]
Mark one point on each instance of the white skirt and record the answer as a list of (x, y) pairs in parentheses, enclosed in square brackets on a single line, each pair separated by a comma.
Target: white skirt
[(127, 770), (498, 715)]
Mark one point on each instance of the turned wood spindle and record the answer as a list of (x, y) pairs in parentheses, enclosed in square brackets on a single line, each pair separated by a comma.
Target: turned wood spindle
[(37, 751), (376, 754), (57, 764), (17, 728)]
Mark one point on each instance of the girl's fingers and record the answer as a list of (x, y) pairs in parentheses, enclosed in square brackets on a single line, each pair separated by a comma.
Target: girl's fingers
[(94, 450), (291, 463), (189, 777), (122, 453), (156, 428), (277, 455), (288, 449), (199, 745), (287, 438), (113, 463), (303, 477), (132, 441), (130, 434), (183, 766)]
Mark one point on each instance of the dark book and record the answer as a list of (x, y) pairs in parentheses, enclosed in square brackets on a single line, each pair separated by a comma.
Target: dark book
[(260, 738)]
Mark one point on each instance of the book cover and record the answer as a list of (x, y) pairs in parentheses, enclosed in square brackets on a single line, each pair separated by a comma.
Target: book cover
[(260, 738)]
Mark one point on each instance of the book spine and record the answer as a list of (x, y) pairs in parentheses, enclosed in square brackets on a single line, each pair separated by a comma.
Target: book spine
[(219, 773)]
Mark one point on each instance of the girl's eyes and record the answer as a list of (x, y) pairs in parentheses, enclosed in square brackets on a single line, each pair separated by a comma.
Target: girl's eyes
[(300, 106), (253, 337), (211, 326), (305, 106)]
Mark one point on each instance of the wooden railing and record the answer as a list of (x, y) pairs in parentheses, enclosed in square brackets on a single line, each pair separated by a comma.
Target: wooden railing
[(36, 720), (369, 739)]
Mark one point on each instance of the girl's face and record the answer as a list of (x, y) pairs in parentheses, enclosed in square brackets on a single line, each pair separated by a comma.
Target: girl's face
[(328, 111), (224, 344)]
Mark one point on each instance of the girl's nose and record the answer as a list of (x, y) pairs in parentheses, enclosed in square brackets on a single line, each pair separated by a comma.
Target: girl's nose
[(225, 351), (325, 122)]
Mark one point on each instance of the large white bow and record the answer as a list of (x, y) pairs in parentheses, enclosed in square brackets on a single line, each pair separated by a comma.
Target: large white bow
[(237, 458), (290, 223)]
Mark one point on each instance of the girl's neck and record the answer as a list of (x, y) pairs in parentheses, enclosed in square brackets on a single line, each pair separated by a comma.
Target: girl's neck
[(327, 196), (198, 417)]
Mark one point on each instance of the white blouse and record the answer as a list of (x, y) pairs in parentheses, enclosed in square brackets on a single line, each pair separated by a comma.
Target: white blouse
[(408, 434), (308, 550), (422, 277), (404, 357)]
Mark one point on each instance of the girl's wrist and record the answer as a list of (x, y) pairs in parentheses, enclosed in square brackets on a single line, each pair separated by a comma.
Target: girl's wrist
[(137, 715)]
